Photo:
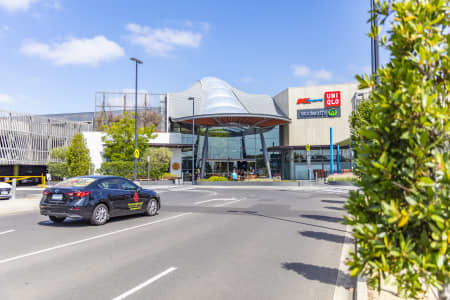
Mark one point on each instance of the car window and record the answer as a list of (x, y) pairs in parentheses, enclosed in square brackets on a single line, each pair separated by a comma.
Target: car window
[(76, 182), (112, 183), (127, 185)]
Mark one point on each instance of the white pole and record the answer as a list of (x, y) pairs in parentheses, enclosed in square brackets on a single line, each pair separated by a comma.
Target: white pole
[(13, 190)]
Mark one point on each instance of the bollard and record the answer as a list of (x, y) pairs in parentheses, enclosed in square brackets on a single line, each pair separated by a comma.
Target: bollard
[(13, 190)]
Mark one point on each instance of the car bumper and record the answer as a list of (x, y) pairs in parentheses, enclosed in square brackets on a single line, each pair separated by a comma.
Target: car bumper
[(65, 211)]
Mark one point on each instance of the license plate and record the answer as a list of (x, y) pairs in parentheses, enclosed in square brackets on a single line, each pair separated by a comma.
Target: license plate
[(57, 197), (4, 192)]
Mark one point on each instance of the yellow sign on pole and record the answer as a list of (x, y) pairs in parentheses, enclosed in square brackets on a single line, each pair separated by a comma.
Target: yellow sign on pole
[(308, 147), (136, 153)]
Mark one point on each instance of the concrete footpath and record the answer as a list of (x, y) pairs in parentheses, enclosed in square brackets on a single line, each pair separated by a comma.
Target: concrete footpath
[(20, 204)]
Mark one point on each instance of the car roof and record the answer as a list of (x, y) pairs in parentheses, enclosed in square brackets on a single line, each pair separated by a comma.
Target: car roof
[(100, 176)]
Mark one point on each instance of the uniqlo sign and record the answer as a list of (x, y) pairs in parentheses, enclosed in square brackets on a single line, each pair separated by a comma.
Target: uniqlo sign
[(332, 99)]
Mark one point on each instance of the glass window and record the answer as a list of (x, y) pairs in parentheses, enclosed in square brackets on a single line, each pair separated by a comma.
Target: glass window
[(127, 185), (76, 182)]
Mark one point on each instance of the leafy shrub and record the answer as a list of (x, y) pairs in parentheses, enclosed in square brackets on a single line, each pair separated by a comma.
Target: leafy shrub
[(346, 177), (214, 178), (401, 216), (169, 176)]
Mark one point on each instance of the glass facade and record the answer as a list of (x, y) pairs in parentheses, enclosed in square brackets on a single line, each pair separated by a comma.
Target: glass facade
[(294, 164), (229, 149)]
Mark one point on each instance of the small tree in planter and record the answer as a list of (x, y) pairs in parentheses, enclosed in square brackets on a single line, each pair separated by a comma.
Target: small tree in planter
[(401, 216)]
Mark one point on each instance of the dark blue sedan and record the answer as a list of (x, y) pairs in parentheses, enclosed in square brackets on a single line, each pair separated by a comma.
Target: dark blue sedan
[(97, 198)]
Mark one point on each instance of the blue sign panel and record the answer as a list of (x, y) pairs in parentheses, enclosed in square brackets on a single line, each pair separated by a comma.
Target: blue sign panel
[(329, 112)]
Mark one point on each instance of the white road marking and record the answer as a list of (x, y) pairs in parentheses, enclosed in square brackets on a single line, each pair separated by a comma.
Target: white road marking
[(7, 231), (90, 239), (204, 201), (226, 203), (144, 284)]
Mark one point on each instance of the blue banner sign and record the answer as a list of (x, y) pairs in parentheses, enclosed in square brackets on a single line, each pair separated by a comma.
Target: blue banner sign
[(329, 112)]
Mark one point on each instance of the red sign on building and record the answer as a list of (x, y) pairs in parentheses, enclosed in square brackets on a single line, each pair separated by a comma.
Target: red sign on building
[(332, 99)]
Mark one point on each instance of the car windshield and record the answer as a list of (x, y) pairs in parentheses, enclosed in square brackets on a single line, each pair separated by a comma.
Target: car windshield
[(76, 182)]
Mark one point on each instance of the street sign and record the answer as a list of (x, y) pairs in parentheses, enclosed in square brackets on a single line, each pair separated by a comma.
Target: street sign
[(308, 147), (136, 153)]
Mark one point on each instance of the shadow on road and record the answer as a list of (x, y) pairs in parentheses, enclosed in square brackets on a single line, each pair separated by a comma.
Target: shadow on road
[(334, 208), (317, 273), (323, 218), (81, 223), (318, 235), (333, 201)]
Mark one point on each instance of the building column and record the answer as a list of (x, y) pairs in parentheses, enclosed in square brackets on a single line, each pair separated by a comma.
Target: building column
[(244, 152), (291, 165), (266, 157), (204, 154)]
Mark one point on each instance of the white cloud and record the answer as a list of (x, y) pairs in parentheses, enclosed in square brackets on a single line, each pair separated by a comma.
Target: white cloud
[(24, 5), (322, 75), (162, 41), (16, 5), (300, 70), (6, 99), (76, 51), (313, 77)]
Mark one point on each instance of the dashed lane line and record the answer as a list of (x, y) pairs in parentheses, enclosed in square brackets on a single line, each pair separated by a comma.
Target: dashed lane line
[(144, 284), (7, 231), (227, 203), (210, 200)]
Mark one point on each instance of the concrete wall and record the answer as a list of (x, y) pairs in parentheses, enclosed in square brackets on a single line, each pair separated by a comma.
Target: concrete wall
[(316, 131)]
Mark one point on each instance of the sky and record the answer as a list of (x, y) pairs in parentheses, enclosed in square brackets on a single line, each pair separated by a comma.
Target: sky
[(55, 54)]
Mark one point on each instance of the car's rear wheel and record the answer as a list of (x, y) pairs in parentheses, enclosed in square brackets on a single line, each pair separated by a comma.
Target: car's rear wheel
[(57, 219), (100, 215), (152, 207)]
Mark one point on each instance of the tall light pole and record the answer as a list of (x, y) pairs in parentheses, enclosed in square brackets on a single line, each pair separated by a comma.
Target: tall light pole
[(136, 115), (374, 41), (193, 130)]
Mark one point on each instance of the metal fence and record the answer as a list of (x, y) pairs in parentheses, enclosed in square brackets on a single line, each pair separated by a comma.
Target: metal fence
[(27, 139)]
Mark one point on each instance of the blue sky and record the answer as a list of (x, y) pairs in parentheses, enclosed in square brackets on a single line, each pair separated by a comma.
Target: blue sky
[(55, 54)]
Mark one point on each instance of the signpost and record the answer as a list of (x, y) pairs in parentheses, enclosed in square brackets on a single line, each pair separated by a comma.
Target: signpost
[(308, 159)]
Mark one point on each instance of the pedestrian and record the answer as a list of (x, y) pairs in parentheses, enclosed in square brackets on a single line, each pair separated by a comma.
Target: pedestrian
[(234, 175)]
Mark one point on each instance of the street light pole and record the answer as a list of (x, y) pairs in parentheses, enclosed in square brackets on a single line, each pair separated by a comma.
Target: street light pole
[(135, 116), (193, 144)]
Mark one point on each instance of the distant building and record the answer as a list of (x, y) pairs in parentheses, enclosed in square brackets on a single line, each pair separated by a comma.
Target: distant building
[(252, 133)]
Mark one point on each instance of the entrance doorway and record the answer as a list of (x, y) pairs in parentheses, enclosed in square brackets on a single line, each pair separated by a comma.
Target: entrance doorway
[(221, 167)]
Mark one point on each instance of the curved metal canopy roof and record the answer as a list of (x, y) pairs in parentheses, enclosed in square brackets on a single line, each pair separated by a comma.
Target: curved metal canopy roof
[(219, 104)]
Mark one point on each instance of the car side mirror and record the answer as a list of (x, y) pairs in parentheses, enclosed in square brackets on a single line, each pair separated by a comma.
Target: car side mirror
[(138, 189)]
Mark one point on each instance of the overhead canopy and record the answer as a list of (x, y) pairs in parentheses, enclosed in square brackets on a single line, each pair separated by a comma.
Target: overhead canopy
[(219, 104)]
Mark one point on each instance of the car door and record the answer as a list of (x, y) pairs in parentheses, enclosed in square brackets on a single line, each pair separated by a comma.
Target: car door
[(118, 197), (136, 201)]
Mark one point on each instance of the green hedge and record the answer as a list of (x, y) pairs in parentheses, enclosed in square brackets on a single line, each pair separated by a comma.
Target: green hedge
[(215, 178), (126, 169)]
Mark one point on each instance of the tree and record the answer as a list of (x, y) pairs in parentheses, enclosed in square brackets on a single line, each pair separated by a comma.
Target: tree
[(159, 161), (401, 215), (119, 139), (58, 167), (77, 157)]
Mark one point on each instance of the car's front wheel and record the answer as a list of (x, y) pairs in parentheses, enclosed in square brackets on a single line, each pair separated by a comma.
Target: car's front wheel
[(152, 207), (100, 214), (57, 219)]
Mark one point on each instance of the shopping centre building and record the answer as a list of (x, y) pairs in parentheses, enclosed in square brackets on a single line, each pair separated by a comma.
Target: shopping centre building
[(256, 135), (261, 135)]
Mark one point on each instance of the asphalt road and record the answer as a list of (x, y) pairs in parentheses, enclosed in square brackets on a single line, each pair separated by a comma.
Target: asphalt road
[(203, 244)]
